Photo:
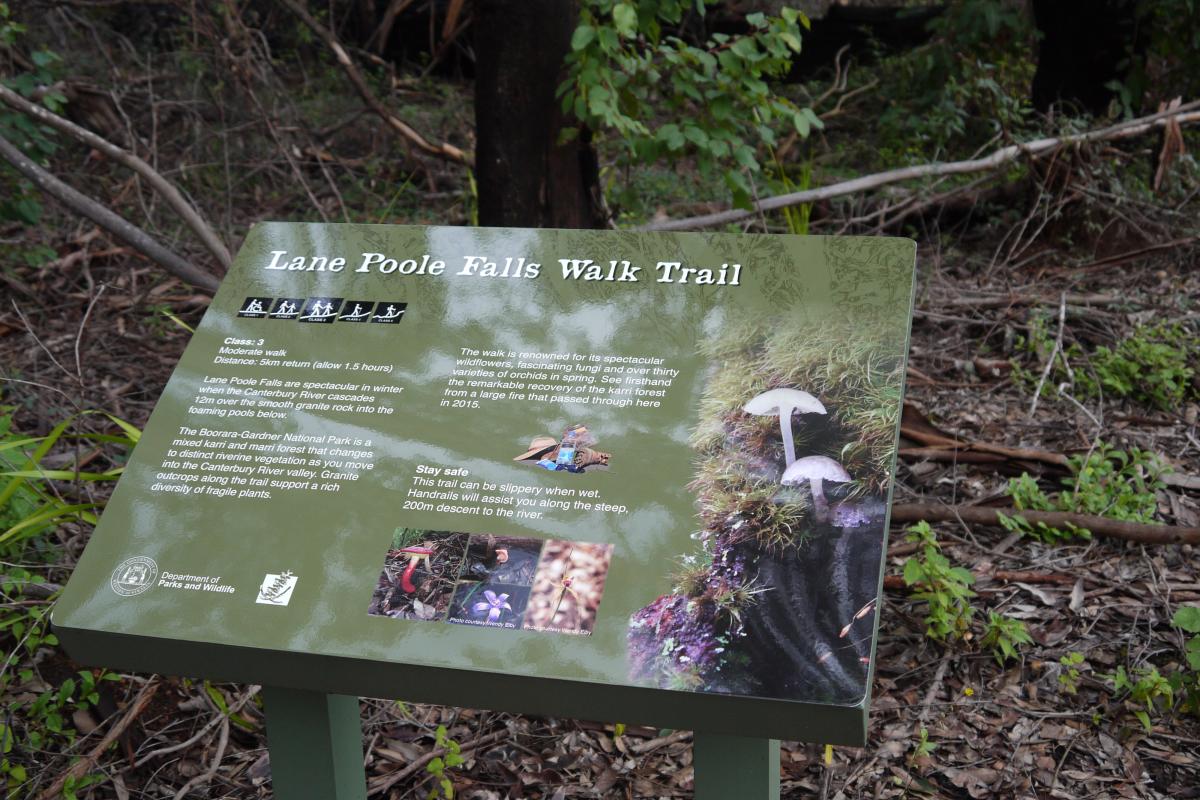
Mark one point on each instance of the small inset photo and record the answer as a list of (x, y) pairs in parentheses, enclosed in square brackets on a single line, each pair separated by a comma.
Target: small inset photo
[(573, 452), (502, 559), (419, 574), (568, 586), (488, 605)]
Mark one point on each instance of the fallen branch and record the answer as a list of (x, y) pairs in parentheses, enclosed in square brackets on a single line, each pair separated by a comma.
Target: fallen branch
[(1010, 300), (959, 446), (445, 150), (950, 455), (1099, 526), (189, 214), (1184, 114), (86, 764), (119, 227), (1124, 258), (40, 590), (641, 748)]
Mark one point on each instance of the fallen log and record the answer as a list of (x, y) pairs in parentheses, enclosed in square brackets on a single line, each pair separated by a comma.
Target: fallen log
[(169, 192), (1099, 526), (107, 219), (1185, 114)]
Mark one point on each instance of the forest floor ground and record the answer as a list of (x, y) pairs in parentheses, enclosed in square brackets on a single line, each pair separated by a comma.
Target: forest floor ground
[(1003, 276)]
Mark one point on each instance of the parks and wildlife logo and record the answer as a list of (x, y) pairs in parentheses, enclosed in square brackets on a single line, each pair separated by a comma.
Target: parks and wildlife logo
[(134, 576), (276, 590)]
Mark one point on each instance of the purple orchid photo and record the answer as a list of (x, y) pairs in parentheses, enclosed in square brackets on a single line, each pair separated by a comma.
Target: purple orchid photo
[(494, 605)]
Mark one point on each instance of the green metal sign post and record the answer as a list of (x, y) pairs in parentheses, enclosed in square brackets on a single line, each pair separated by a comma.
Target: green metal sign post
[(593, 474), (315, 741)]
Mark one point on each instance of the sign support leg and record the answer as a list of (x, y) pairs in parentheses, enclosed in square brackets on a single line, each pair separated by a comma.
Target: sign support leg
[(315, 741), (735, 766)]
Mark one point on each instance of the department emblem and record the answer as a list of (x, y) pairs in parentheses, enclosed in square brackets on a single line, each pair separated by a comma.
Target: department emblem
[(134, 576)]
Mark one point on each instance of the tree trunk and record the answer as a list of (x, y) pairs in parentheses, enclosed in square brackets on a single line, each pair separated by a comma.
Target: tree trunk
[(524, 176)]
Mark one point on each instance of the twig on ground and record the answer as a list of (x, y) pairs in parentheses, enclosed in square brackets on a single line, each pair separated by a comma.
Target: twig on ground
[(82, 327), (934, 685), (935, 442), (444, 150), (234, 707), (662, 741), (208, 774), (1062, 322)]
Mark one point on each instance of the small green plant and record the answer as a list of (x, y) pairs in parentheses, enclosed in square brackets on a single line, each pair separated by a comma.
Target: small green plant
[(1070, 674), (1186, 682), (691, 579), (732, 600), (943, 587), (1003, 635), (923, 747), (1105, 482), (1145, 690), (440, 765)]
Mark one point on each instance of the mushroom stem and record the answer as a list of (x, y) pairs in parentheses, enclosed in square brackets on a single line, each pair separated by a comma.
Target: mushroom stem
[(406, 579), (818, 495), (785, 428)]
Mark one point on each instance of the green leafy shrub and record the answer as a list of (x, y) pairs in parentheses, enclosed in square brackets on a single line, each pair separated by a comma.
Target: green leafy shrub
[(1171, 64), (662, 96), (1151, 366), (969, 82), (30, 509), (943, 587), (1154, 365), (19, 200), (1105, 482)]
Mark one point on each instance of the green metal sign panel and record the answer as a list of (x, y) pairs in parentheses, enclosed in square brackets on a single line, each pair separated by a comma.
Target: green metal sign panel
[(637, 477)]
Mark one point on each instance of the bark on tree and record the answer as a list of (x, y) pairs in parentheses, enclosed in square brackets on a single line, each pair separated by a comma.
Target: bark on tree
[(524, 176)]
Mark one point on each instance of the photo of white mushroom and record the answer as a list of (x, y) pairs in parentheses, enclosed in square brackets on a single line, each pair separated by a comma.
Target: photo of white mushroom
[(782, 403), (814, 471), (794, 451)]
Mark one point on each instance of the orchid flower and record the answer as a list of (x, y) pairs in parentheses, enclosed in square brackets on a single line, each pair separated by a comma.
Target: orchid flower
[(494, 605)]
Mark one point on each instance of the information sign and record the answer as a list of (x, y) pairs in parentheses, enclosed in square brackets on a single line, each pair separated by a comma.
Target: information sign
[(609, 475)]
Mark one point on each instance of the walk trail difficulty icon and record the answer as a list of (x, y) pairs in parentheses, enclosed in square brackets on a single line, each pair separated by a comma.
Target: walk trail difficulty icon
[(424, 511)]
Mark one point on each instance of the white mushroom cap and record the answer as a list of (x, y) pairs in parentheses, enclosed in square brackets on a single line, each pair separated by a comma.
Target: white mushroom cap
[(774, 401), (815, 468), (783, 402)]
